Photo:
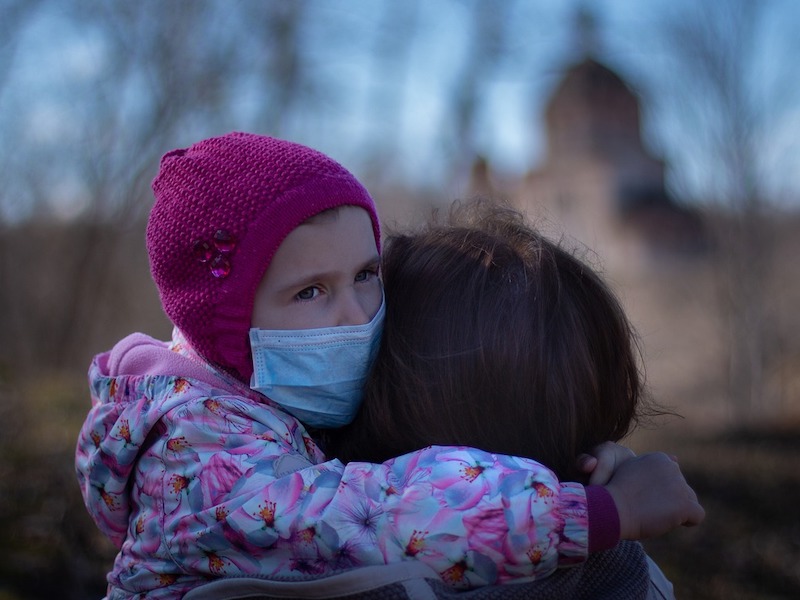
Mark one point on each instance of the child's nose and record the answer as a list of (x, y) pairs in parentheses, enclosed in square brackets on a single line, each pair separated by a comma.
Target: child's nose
[(353, 310)]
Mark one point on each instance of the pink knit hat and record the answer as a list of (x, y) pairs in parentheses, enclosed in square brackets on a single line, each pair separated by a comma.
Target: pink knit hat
[(223, 206)]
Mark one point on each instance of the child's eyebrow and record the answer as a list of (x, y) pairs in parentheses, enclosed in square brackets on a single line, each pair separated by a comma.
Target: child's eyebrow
[(372, 261), (311, 278)]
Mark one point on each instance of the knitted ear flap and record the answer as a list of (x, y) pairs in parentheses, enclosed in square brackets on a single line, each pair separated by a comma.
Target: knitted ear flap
[(223, 206)]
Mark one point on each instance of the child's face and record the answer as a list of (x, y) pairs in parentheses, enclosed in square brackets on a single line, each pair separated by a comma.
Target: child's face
[(324, 274)]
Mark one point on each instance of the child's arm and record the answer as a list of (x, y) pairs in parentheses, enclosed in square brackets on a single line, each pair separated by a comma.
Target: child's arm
[(510, 517), (474, 517), (228, 487)]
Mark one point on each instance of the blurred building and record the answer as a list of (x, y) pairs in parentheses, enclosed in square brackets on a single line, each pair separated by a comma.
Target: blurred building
[(599, 188), (598, 184)]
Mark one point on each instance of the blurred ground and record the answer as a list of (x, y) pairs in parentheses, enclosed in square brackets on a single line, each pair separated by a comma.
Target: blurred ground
[(51, 547), (749, 545)]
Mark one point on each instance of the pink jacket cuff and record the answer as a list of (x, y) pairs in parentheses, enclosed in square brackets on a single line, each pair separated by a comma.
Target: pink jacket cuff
[(604, 528)]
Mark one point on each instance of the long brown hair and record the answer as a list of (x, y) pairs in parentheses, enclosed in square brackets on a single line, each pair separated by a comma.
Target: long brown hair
[(496, 338)]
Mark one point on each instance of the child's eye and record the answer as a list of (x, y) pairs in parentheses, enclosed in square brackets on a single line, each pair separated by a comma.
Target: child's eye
[(308, 293), (366, 275)]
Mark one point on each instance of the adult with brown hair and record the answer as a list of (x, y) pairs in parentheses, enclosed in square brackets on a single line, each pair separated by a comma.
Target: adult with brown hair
[(499, 339)]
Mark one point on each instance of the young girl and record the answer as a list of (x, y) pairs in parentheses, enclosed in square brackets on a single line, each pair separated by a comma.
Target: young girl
[(497, 338), (197, 457)]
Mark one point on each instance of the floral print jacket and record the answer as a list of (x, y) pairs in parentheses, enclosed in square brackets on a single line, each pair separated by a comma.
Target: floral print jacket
[(194, 476)]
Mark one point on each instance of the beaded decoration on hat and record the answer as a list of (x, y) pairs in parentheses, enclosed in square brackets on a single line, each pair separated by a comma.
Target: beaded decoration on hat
[(222, 208)]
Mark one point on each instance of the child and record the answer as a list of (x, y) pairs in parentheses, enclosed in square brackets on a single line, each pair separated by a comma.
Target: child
[(497, 338), (194, 473)]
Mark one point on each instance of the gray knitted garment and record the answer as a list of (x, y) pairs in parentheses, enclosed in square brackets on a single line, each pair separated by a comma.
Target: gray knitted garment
[(619, 574)]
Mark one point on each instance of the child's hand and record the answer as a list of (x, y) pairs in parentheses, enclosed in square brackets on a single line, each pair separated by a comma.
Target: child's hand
[(652, 497), (603, 461)]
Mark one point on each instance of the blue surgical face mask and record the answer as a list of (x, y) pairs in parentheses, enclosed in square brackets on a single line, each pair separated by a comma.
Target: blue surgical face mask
[(317, 375)]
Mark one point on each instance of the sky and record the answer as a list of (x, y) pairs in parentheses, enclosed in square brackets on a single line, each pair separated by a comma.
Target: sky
[(541, 41)]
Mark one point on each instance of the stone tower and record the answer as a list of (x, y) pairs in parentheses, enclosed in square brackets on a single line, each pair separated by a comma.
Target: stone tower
[(598, 184)]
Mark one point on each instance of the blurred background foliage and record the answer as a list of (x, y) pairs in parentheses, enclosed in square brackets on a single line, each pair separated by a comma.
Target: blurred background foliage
[(421, 100)]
